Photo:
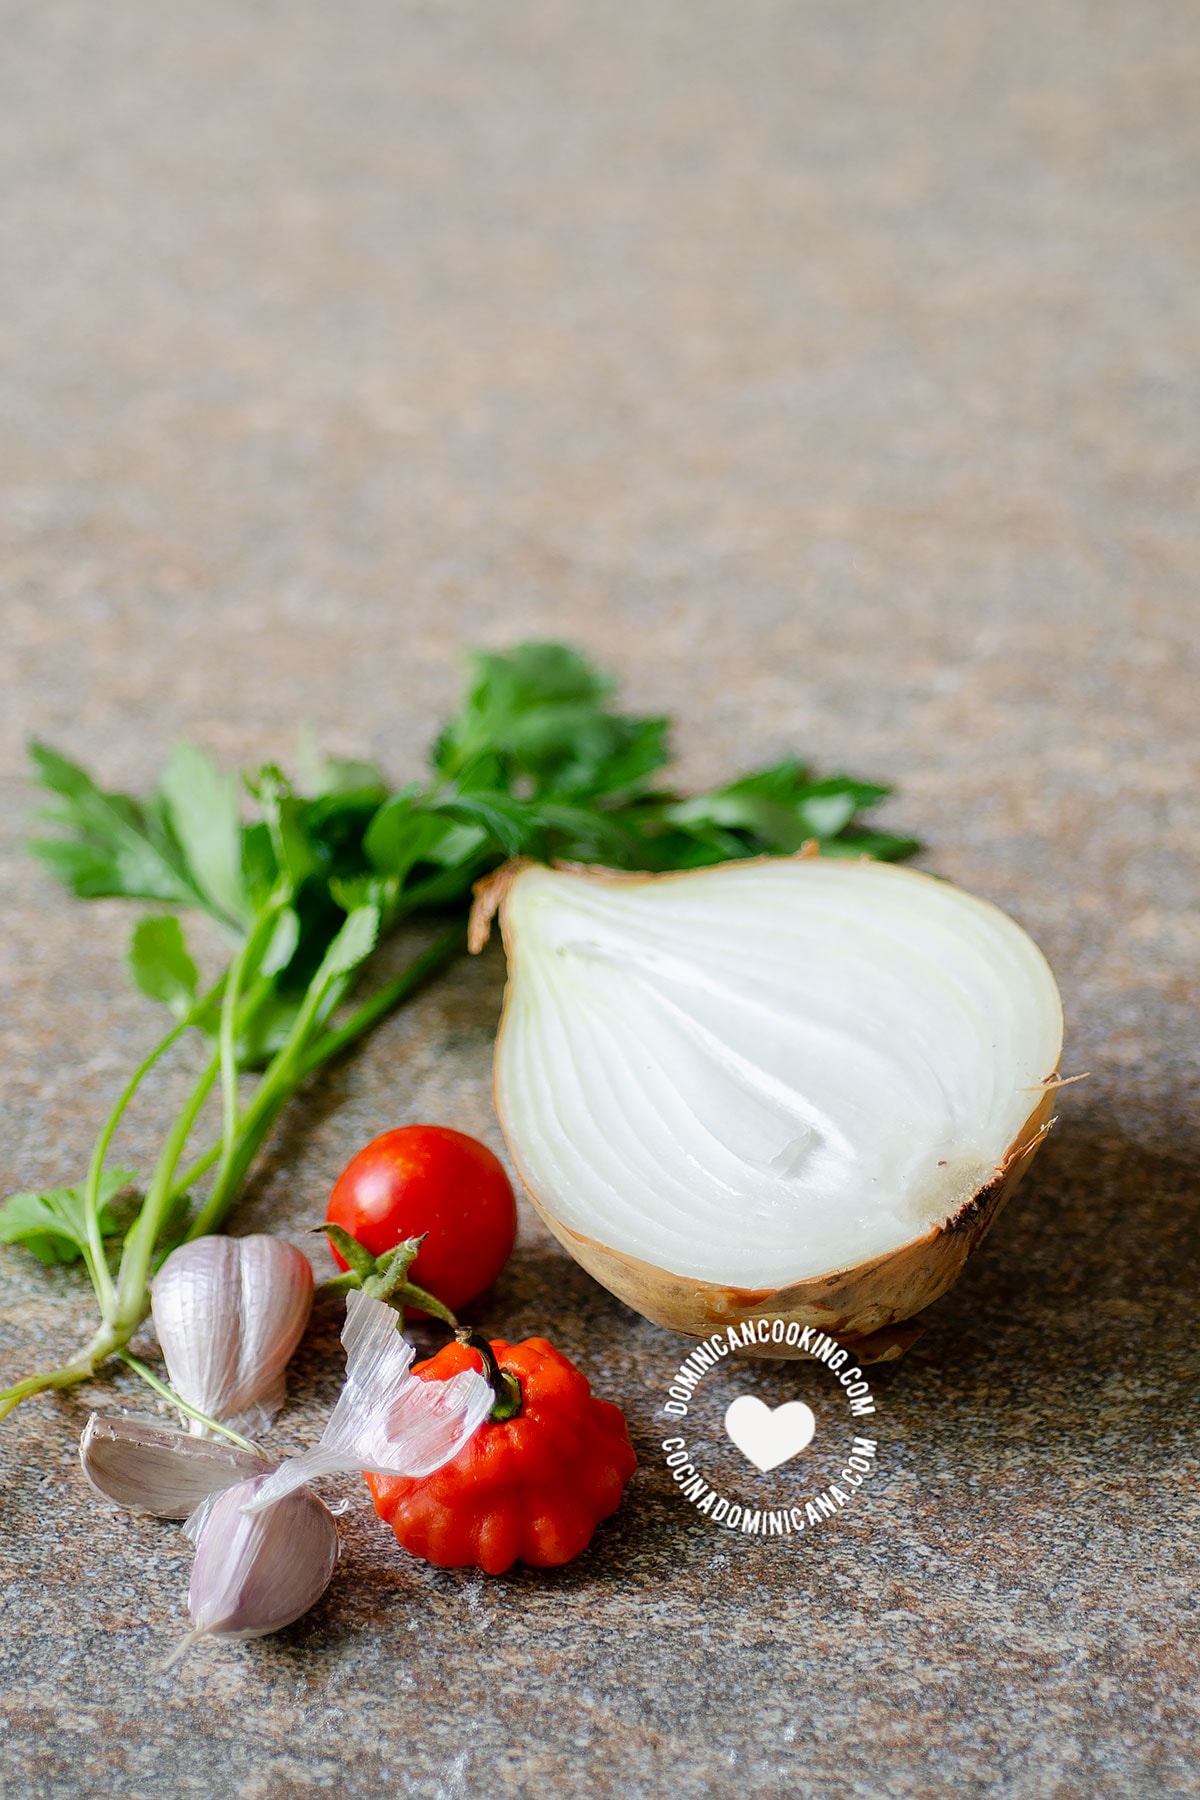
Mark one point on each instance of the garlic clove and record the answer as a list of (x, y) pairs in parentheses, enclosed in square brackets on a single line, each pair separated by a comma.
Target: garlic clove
[(801, 1086), (229, 1313), (276, 1301), (148, 1467), (256, 1572), (386, 1420), (196, 1303)]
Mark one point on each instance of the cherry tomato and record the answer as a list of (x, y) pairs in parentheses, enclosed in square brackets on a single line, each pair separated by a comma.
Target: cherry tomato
[(427, 1178)]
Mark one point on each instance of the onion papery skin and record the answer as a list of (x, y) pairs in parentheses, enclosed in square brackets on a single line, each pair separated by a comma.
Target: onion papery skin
[(872, 1307)]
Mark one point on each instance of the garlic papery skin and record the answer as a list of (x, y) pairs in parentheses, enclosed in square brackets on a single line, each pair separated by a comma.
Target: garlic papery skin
[(229, 1313), (148, 1467), (795, 1085), (386, 1421), (256, 1572)]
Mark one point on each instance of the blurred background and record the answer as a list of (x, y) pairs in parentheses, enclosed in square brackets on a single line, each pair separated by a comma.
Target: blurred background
[(826, 370)]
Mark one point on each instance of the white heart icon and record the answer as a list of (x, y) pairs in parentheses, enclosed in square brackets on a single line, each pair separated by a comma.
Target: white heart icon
[(765, 1437)]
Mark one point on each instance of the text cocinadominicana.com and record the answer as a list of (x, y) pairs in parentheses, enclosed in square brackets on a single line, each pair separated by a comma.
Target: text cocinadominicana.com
[(777, 1522)]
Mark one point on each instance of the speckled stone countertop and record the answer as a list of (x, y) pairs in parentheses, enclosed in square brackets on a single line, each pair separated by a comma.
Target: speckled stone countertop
[(829, 372)]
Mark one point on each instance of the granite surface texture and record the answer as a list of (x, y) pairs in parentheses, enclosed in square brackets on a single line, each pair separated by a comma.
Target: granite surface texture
[(828, 371)]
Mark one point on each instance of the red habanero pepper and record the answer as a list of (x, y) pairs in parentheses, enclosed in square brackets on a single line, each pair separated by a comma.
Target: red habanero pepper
[(532, 1483)]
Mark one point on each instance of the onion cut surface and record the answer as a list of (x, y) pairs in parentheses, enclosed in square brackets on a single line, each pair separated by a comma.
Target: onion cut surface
[(726, 1086)]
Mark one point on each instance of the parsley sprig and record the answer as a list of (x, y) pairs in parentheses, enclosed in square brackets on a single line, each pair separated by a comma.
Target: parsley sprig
[(537, 762)]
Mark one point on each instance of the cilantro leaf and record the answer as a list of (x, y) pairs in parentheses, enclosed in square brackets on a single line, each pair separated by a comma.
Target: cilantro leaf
[(113, 845), (352, 945), (774, 811), (295, 855), (202, 805), (537, 762), (282, 946), (403, 833), (53, 1224), (634, 752), (536, 721), (160, 964), (506, 689), (513, 825), (884, 846), (323, 777), (591, 834)]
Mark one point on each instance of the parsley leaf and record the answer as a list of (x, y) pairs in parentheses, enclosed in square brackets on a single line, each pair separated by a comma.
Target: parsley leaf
[(160, 964), (774, 811), (537, 762), (202, 805), (53, 1224), (113, 845), (305, 878), (536, 723)]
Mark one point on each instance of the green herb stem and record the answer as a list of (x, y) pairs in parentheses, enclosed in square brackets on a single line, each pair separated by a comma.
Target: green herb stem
[(441, 952), (257, 1120), (296, 1060), (143, 1234), (537, 762), (243, 963), (83, 1367), (192, 1412), (102, 1280), (184, 1183), (279, 1081), (97, 1262)]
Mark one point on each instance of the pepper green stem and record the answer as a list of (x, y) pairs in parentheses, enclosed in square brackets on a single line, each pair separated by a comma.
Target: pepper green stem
[(506, 1387)]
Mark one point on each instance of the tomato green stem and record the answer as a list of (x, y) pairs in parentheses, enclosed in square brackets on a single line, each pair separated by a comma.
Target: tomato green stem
[(385, 1277), (363, 1264), (340, 1284)]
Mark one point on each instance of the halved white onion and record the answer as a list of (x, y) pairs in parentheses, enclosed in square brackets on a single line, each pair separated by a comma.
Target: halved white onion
[(792, 1084)]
